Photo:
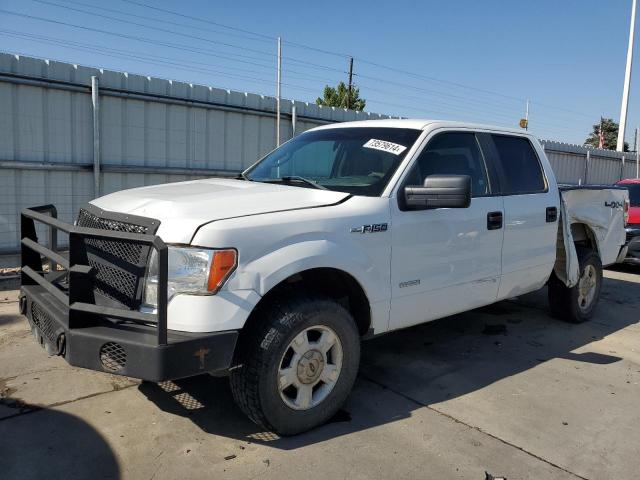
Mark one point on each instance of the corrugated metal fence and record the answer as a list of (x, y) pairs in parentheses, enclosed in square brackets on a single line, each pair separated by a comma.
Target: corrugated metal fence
[(575, 164), (151, 131)]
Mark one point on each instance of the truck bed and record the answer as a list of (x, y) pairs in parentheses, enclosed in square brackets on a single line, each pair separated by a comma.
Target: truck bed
[(594, 213)]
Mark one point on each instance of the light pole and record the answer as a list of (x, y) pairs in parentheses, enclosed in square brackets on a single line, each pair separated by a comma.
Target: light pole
[(627, 81), (278, 91)]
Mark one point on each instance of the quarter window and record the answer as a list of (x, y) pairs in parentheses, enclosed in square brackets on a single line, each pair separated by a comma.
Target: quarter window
[(521, 169), (452, 153)]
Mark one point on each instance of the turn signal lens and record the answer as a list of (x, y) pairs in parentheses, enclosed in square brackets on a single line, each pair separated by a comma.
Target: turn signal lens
[(223, 264)]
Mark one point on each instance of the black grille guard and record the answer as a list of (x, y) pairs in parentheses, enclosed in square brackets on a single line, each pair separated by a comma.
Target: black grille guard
[(77, 275)]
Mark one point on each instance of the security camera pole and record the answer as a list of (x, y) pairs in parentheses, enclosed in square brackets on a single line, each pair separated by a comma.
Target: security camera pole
[(627, 81)]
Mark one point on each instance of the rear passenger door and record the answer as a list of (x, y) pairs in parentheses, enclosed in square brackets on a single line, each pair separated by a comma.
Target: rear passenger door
[(531, 209)]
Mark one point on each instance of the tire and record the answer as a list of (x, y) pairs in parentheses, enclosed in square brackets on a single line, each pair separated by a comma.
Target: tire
[(267, 348), (571, 304)]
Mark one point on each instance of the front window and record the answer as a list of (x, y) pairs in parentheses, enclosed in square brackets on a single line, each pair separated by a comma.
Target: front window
[(353, 160)]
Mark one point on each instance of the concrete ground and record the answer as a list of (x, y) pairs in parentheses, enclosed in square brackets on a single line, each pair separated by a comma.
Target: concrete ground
[(505, 390)]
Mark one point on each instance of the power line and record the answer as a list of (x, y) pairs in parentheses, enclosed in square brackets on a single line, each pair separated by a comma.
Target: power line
[(174, 32), (300, 63), (159, 29), (169, 22), (368, 62), (48, 39), (146, 40), (379, 65), (198, 19)]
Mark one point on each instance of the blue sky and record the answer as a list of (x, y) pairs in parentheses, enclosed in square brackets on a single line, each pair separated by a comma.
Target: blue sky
[(468, 60)]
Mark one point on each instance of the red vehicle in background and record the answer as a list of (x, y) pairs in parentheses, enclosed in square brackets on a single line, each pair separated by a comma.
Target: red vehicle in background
[(633, 225)]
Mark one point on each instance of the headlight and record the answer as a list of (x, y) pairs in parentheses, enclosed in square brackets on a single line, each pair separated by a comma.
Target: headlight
[(190, 270)]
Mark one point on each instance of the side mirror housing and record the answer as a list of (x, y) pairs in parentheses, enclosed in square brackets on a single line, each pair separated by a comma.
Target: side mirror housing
[(439, 191)]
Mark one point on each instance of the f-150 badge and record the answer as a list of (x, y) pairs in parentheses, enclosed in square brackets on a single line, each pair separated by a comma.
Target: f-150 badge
[(375, 227)]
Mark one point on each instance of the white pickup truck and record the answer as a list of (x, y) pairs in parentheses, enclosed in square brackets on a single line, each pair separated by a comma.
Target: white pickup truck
[(344, 232)]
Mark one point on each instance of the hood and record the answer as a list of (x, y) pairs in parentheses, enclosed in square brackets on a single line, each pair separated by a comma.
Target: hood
[(183, 207), (634, 215)]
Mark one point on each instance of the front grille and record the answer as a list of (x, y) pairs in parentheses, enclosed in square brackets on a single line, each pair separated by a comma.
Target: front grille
[(119, 264), (125, 250), (44, 322)]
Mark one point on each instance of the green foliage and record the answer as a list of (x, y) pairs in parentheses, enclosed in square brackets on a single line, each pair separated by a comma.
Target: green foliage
[(337, 97), (610, 133)]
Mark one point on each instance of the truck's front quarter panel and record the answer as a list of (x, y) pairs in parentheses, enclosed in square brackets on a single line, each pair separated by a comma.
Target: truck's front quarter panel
[(352, 237)]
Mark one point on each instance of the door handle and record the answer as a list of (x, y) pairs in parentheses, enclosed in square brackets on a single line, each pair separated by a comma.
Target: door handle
[(494, 220), (552, 214)]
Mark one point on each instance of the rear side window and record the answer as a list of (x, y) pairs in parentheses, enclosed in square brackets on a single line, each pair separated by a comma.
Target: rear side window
[(521, 169)]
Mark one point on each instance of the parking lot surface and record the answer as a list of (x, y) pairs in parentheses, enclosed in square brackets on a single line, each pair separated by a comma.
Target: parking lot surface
[(505, 390)]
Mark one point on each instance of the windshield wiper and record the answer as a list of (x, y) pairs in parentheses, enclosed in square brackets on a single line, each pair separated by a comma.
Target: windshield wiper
[(290, 178)]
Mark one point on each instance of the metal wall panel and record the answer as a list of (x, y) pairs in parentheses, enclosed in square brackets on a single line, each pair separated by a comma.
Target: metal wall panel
[(145, 122), (630, 168), (152, 127), (568, 167), (604, 170)]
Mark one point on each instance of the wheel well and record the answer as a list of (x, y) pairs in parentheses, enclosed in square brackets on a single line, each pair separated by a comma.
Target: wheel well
[(583, 236), (334, 283)]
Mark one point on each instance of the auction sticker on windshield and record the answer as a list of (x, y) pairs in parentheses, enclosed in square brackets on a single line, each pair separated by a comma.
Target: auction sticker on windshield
[(385, 146)]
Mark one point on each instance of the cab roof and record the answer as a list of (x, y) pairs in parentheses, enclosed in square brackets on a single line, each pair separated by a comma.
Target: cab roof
[(418, 124), (628, 181)]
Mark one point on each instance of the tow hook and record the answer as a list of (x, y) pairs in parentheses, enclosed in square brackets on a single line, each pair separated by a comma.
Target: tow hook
[(61, 343), (22, 305)]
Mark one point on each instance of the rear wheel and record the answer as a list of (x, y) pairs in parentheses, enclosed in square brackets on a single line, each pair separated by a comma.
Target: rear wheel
[(296, 366), (578, 303)]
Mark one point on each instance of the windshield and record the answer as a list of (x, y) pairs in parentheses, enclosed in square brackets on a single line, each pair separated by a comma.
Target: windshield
[(353, 160), (634, 194)]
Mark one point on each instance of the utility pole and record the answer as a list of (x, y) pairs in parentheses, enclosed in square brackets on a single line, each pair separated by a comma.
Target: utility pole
[(627, 80), (278, 91), (350, 82)]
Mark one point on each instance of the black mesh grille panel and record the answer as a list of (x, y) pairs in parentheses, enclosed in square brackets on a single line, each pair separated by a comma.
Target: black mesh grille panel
[(43, 321), (119, 264), (127, 251), (115, 283), (113, 356)]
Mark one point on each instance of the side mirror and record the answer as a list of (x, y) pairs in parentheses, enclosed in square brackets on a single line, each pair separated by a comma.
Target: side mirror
[(439, 191)]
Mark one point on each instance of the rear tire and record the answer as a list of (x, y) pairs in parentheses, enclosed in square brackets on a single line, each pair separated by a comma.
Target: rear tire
[(296, 366), (578, 303)]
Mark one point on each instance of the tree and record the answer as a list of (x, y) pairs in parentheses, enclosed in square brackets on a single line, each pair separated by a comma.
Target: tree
[(609, 132), (337, 97)]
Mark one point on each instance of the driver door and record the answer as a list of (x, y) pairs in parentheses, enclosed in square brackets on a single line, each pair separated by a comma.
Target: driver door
[(446, 260)]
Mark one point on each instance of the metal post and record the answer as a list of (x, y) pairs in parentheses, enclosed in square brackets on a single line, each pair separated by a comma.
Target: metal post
[(622, 168), (350, 83), (278, 87), (95, 102), (294, 119), (526, 127), (637, 153), (586, 167), (627, 80)]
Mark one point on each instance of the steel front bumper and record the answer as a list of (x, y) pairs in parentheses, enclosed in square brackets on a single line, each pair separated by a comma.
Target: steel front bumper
[(70, 317), (123, 348)]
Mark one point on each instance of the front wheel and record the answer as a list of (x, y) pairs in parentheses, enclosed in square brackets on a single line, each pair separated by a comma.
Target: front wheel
[(296, 366), (578, 303)]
